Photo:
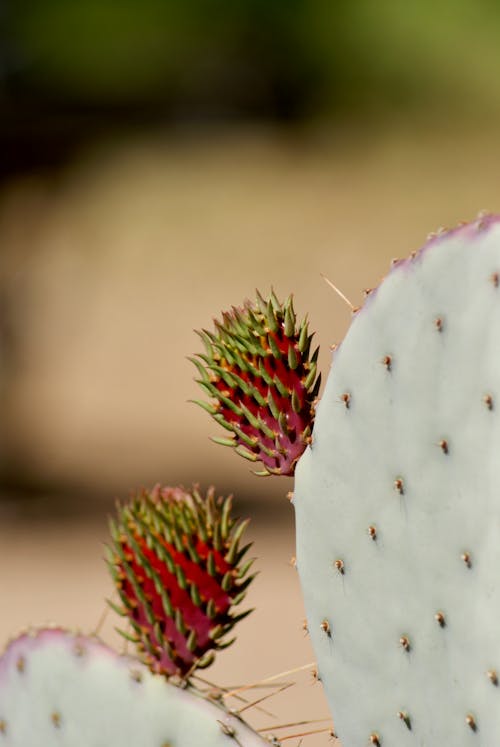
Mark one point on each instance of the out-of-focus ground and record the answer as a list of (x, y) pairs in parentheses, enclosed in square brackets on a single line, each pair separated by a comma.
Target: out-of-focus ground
[(107, 267)]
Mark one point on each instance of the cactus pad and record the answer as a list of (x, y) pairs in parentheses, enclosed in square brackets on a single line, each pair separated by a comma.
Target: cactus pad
[(262, 381), (59, 689), (397, 505), (178, 566)]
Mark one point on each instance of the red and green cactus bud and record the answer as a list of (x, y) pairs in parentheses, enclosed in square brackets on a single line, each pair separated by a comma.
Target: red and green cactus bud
[(177, 562), (262, 382)]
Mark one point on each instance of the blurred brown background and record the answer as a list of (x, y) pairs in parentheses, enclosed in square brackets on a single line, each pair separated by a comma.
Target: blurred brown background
[(160, 160)]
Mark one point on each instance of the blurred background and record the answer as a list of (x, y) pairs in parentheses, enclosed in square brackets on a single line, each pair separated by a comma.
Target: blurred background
[(161, 159)]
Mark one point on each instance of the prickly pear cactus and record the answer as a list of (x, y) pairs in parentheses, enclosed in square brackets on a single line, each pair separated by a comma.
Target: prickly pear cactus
[(59, 689), (397, 505)]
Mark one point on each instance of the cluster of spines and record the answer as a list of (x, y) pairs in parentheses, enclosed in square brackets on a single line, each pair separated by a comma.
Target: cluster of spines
[(177, 563), (262, 381)]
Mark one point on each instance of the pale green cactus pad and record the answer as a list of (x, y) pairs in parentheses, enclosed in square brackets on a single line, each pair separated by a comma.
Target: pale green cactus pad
[(398, 505), (59, 689)]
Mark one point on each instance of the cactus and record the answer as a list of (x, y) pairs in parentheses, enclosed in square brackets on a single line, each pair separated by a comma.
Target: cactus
[(62, 689), (178, 566), (262, 381), (396, 501), (398, 539)]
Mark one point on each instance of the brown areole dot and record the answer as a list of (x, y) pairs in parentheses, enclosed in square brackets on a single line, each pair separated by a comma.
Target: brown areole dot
[(440, 619), (443, 445), (325, 627), (55, 717), (79, 649), (387, 362), (404, 642), (495, 279), (227, 729), (466, 557), (471, 721), (372, 531), (492, 676), (346, 399), (438, 323), (488, 401), (399, 486), (340, 566), (405, 718)]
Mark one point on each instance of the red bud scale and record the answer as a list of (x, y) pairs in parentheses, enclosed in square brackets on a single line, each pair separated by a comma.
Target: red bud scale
[(177, 564), (262, 382)]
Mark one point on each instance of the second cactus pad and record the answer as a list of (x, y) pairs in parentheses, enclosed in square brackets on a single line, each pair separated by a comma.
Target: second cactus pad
[(398, 509), (63, 689)]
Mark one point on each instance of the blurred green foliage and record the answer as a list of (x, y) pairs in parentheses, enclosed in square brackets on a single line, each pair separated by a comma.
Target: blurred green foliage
[(284, 57)]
